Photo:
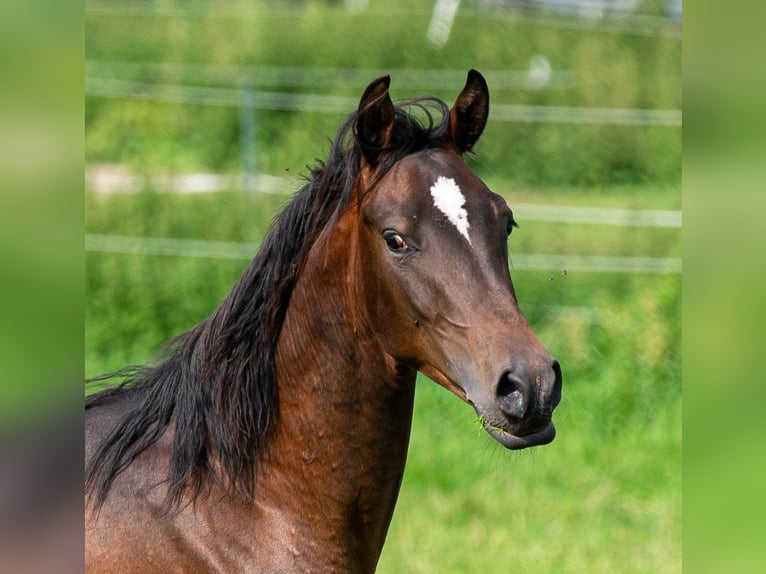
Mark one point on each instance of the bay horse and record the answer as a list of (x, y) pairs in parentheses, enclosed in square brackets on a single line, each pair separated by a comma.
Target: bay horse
[(272, 436)]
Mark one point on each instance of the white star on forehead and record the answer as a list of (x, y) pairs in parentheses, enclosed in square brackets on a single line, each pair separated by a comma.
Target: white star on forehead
[(450, 201)]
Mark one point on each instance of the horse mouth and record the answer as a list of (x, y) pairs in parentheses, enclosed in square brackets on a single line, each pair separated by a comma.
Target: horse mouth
[(514, 442)]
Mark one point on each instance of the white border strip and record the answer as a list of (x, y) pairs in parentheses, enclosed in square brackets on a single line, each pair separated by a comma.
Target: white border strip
[(597, 215), (596, 263), (270, 100), (169, 246)]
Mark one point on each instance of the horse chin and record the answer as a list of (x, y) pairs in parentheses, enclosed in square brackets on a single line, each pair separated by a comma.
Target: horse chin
[(513, 442)]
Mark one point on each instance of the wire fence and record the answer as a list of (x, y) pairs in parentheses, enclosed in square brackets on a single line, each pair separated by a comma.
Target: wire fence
[(539, 76), (268, 88), (268, 100), (603, 15), (164, 246)]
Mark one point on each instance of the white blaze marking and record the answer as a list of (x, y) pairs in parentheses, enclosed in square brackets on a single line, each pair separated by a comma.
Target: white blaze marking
[(450, 201)]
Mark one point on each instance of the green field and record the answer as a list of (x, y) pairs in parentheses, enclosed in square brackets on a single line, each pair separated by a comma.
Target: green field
[(605, 496)]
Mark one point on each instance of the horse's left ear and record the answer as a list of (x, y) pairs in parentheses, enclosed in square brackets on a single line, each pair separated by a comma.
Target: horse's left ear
[(375, 119), (468, 116)]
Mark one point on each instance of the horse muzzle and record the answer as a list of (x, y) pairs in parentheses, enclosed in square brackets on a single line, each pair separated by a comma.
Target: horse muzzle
[(523, 404)]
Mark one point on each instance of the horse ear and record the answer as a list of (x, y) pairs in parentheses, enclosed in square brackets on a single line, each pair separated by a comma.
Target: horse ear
[(468, 116), (375, 119)]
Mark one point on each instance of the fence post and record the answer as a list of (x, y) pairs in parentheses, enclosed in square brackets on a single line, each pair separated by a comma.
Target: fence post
[(247, 138)]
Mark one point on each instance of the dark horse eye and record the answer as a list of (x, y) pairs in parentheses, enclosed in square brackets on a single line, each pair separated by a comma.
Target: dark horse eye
[(511, 224), (395, 242)]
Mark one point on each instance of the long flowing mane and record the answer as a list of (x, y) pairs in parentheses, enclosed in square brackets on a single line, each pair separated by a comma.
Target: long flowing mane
[(216, 385)]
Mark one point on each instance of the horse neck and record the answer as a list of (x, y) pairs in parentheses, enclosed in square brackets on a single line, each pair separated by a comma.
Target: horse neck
[(345, 408)]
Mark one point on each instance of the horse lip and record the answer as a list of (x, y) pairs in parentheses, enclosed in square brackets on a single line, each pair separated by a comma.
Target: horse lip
[(446, 382), (513, 442)]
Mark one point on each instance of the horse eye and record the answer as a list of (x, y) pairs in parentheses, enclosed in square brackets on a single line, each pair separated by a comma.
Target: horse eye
[(395, 242), (511, 224)]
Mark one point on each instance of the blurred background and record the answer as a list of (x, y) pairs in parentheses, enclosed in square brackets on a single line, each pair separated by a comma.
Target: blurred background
[(200, 120)]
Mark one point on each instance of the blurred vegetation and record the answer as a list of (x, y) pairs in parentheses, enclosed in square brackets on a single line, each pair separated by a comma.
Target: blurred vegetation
[(605, 495), (227, 44)]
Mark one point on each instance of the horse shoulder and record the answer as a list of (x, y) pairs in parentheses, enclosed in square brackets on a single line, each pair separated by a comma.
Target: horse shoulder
[(128, 532)]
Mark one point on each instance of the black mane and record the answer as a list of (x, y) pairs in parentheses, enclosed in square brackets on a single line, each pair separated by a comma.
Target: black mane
[(217, 384)]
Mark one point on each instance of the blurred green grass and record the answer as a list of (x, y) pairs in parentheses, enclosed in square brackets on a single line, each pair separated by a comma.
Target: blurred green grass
[(222, 47), (605, 496)]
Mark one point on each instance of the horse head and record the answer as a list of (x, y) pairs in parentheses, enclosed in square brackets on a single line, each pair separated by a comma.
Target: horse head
[(435, 280)]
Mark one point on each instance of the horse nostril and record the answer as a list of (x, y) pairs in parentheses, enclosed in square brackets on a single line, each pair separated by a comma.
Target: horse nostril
[(510, 397), (556, 390)]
